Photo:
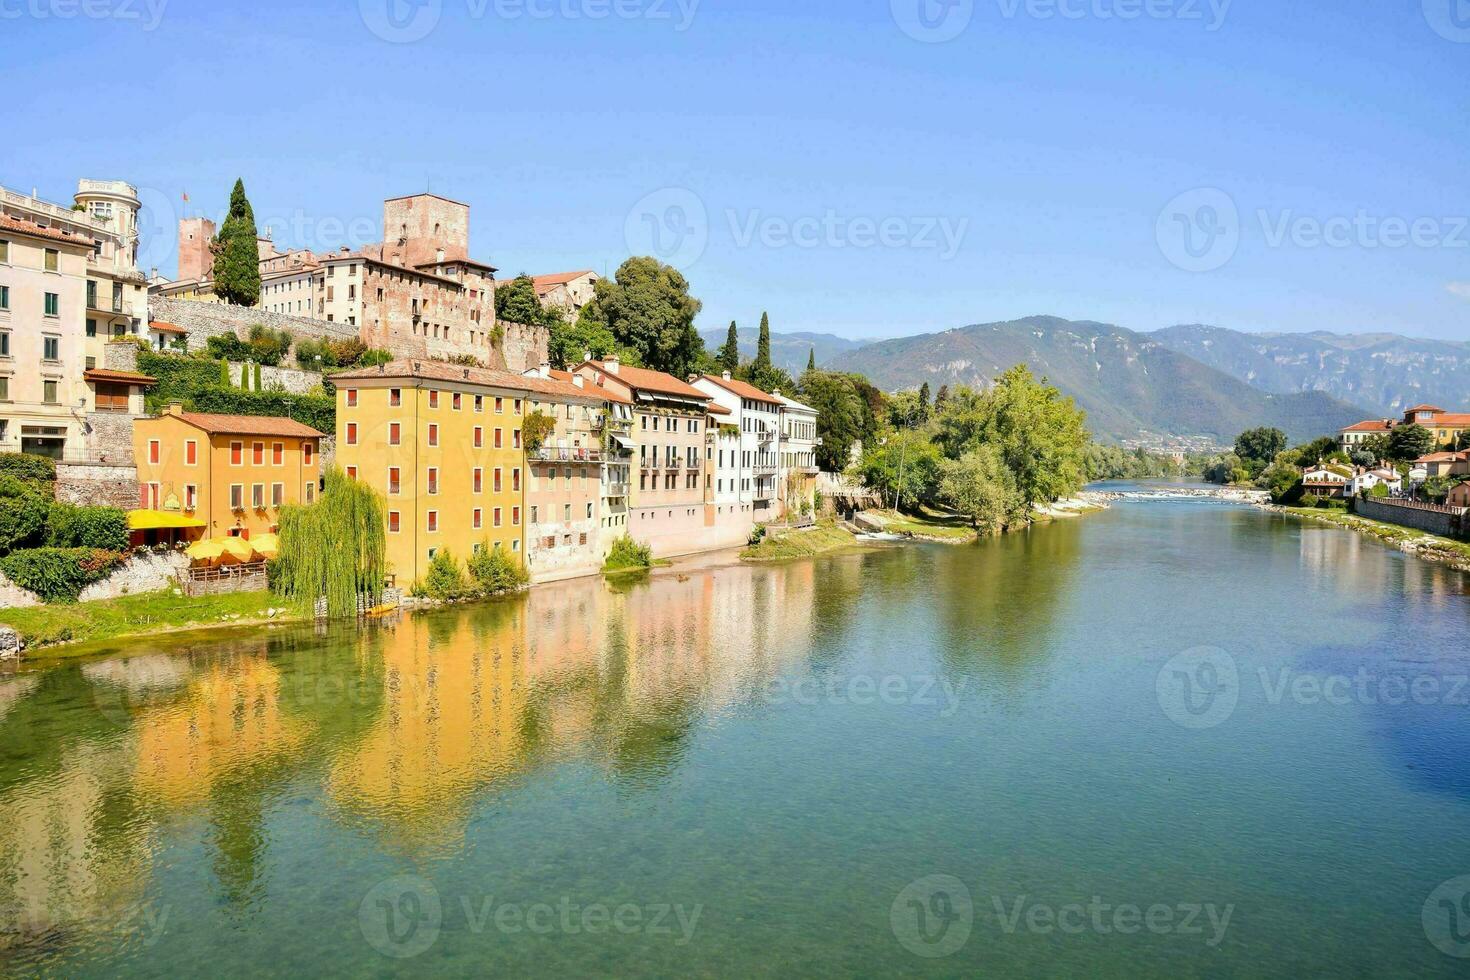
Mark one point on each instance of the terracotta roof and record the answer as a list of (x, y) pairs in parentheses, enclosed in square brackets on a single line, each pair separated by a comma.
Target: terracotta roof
[(1423, 408), (1444, 457), (741, 388), (653, 381), (125, 377), (715, 408), (1447, 419), (488, 377), (249, 425), (21, 226), (544, 283), (163, 326), (1372, 425)]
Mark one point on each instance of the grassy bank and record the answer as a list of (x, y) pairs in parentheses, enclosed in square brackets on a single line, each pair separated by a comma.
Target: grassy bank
[(783, 545), (152, 612), (1428, 546), (927, 525)]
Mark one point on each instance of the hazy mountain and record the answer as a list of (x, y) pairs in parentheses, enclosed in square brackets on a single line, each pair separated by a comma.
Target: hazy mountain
[(1386, 373), (788, 350), (1131, 384)]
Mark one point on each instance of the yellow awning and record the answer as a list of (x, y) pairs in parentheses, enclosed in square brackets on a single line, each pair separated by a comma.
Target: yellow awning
[(266, 545), (152, 520)]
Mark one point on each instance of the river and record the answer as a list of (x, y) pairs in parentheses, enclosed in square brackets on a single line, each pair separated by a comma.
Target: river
[(1174, 738)]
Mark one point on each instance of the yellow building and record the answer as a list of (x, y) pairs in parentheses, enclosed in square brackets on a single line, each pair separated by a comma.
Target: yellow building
[(234, 472)]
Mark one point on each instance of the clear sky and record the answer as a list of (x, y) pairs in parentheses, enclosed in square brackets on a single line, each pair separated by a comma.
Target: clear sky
[(869, 168)]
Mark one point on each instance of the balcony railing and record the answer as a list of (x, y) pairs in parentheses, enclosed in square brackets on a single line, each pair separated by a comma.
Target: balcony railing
[(565, 454), (101, 305), (615, 490)]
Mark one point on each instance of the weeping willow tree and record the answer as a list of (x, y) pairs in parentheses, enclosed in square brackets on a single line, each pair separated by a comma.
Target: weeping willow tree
[(333, 548)]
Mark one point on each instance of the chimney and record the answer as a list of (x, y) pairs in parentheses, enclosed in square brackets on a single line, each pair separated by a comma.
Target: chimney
[(611, 363), (579, 381), (776, 393), (175, 408), (586, 356), (544, 369), (725, 375)]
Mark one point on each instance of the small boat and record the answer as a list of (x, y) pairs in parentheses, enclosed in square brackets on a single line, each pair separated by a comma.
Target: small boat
[(387, 609)]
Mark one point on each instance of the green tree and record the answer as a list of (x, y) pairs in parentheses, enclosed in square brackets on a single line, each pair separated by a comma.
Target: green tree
[(811, 365), (1260, 446), (924, 401), (1321, 449), (729, 355), (517, 302), (763, 342), (647, 307), (1409, 442), (840, 416), (904, 468), (1283, 479), (236, 254), (979, 486), (570, 343)]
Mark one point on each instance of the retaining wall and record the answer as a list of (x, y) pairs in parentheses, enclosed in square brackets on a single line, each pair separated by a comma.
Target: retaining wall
[(145, 572), (1447, 522), (98, 484)]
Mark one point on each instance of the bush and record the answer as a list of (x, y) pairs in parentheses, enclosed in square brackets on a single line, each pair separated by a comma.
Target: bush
[(1378, 490), (317, 411), (59, 575), (23, 513), (627, 553), (494, 571), (27, 467), (104, 528), (444, 579), (535, 429)]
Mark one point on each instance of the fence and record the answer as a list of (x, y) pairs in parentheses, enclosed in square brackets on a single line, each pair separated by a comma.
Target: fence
[(249, 577), (1448, 522)]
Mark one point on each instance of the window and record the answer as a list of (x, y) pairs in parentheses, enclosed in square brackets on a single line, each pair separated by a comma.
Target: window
[(433, 521), (50, 348), (395, 397), (351, 433), (533, 514), (515, 438), (518, 406), (53, 304), (278, 494), (237, 496), (497, 517), (479, 518), (497, 479), (498, 440), (479, 479), (191, 497), (4, 252), (566, 513), (394, 480), (49, 393), (479, 403), (455, 401), (308, 453), (394, 522), (479, 436), (499, 406), (53, 260), (310, 494), (351, 397), (352, 472), (278, 454), (515, 517), (433, 479), (433, 398), (237, 449), (395, 433), (257, 495), (515, 479), (433, 434), (257, 453)]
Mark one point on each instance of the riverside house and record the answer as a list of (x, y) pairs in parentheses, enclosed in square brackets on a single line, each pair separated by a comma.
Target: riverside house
[(232, 472), (1446, 427), (1327, 480)]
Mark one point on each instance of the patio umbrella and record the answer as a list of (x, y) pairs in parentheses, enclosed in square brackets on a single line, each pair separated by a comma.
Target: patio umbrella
[(207, 550), (236, 551), (266, 545)]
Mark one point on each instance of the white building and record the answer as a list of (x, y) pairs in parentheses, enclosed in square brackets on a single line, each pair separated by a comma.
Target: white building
[(757, 415), (799, 442), (1367, 479)]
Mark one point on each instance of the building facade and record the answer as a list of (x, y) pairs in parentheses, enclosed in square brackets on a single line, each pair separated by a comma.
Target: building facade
[(234, 472), (798, 456), (757, 415)]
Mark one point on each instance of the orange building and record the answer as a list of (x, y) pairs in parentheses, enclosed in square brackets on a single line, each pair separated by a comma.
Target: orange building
[(234, 472)]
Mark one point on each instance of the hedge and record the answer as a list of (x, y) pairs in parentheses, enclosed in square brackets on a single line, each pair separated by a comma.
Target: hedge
[(198, 385), (24, 466), (23, 514), (59, 575), (105, 528)]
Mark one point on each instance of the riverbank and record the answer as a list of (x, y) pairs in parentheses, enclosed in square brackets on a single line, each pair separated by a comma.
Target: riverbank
[(808, 543), (58, 630), (1429, 547)]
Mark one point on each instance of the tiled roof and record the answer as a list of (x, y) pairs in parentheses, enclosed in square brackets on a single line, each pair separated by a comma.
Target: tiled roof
[(1444, 457), (544, 283), (249, 425), (715, 408), (1423, 408), (1447, 420), (21, 226), (122, 377), (741, 388), (489, 377), (163, 326), (654, 381), (1372, 425)]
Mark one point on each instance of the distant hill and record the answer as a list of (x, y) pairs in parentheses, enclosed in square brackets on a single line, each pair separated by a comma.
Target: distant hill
[(1386, 373), (1131, 384), (788, 350)]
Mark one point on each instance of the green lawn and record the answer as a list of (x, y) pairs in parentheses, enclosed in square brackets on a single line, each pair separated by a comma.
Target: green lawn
[(928, 524), (46, 626), (784, 545)]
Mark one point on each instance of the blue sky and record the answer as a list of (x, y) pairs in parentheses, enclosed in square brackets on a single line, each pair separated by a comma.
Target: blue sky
[(1253, 164)]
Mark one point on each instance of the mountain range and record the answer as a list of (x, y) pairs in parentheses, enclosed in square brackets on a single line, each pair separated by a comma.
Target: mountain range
[(788, 350)]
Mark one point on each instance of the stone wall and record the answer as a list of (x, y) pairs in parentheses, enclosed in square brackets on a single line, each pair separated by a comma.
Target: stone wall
[(98, 484), (110, 437), (294, 380), (204, 320), (1447, 522), (523, 346), (120, 355), (142, 572)]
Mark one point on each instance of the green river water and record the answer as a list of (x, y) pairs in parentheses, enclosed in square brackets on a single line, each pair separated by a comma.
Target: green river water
[(1173, 739)]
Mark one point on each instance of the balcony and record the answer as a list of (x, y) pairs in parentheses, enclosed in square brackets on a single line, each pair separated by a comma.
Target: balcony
[(564, 454), (101, 305), (615, 490)]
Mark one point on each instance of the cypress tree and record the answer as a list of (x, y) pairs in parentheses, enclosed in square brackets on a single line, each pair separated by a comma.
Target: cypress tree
[(729, 355), (763, 345), (236, 254), (924, 400), (811, 359)]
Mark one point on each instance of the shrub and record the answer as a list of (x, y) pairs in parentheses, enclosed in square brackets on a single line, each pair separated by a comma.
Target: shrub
[(27, 467), (59, 575), (493, 570), (535, 428), (1379, 490), (105, 528), (627, 553), (23, 513), (444, 578)]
